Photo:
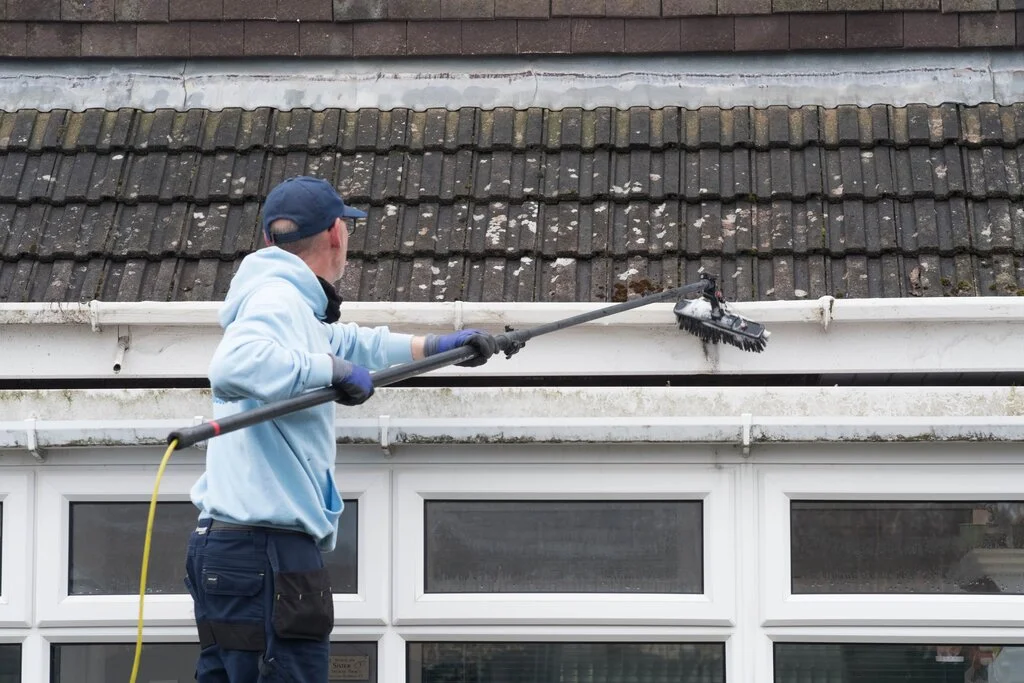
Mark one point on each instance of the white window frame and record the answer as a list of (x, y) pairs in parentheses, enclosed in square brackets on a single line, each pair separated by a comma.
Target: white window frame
[(16, 492), (921, 482), (372, 488), (58, 488), (714, 485)]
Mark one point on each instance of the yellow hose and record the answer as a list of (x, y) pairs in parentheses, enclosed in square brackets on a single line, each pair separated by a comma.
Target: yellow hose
[(145, 554)]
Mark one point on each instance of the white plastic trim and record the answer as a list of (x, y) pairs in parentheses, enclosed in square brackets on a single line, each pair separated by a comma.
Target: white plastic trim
[(17, 496)]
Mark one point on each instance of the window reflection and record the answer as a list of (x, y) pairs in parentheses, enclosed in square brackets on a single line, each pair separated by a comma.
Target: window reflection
[(896, 663), (907, 547), (534, 546), (566, 663), (10, 663), (107, 539)]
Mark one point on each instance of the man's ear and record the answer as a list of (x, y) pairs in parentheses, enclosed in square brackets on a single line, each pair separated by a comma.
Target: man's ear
[(335, 233)]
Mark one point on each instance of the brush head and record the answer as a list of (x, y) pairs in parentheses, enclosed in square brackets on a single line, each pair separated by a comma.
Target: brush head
[(712, 323)]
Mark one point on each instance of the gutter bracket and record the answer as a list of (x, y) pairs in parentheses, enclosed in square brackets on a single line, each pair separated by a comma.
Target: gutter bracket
[(383, 421), (458, 321), (33, 441), (94, 315), (826, 302), (747, 422)]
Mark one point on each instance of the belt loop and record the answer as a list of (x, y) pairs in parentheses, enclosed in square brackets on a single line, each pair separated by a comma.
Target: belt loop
[(259, 540), (272, 553), (204, 535)]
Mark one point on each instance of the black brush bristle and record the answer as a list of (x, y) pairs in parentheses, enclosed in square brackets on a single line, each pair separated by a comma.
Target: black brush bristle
[(727, 328)]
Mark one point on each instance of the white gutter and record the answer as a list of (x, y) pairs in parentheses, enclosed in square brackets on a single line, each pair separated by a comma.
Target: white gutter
[(742, 431), (823, 311)]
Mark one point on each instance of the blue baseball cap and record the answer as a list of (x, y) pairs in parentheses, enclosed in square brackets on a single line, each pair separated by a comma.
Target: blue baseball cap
[(311, 203)]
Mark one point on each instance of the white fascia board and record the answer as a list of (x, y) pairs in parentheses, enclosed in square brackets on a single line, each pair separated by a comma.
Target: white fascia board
[(156, 340)]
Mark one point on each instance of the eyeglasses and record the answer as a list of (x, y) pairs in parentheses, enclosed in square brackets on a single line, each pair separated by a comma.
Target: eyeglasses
[(350, 225)]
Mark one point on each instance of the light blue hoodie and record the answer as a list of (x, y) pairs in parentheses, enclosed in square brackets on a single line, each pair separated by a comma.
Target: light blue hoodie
[(276, 345)]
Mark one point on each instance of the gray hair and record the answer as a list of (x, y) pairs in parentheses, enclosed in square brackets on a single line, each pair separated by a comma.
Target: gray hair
[(285, 226)]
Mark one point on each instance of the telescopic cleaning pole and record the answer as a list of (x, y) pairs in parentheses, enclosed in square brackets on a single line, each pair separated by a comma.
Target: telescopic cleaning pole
[(509, 342)]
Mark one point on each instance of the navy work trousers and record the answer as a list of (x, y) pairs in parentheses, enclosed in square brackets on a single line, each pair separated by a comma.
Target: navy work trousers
[(263, 605)]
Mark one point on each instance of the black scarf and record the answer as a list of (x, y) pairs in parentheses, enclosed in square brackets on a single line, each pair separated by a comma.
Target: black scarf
[(332, 314)]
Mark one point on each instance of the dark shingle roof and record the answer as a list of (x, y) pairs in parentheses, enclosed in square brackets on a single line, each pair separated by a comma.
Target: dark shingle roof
[(148, 29), (528, 205)]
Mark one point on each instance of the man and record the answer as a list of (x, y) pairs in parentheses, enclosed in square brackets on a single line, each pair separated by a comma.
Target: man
[(268, 502)]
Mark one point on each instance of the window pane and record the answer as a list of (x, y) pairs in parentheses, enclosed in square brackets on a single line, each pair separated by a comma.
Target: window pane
[(566, 662), (904, 547), (107, 541), (343, 561), (106, 547), (10, 663), (534, 546), (894, 663), (109, 662)]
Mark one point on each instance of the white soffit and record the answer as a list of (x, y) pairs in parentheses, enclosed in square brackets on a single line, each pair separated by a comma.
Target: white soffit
[(909, 335), (691, 81)]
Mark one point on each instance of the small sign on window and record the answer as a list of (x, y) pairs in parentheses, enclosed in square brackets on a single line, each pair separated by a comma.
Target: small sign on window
[(349, 668)]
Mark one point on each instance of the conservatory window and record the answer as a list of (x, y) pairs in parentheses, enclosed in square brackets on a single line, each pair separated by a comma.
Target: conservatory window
[(95, 528), (893, 544), (580, 544)]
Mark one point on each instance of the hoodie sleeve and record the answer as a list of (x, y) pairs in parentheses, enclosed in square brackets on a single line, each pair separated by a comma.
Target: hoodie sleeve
[(374, 348), (261, 354)]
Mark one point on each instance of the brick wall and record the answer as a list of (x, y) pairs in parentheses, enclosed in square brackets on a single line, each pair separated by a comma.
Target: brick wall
[(363, 28)]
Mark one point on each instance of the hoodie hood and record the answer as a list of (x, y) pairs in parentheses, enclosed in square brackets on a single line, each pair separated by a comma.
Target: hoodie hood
[(272, 265)]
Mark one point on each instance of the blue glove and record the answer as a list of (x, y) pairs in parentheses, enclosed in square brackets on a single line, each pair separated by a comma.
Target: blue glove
[(485, 344), (352, 382)]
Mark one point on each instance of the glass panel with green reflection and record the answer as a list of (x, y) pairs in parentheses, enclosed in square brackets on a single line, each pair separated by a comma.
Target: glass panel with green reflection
[(897, 663), (452, 662), (354, 662)]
